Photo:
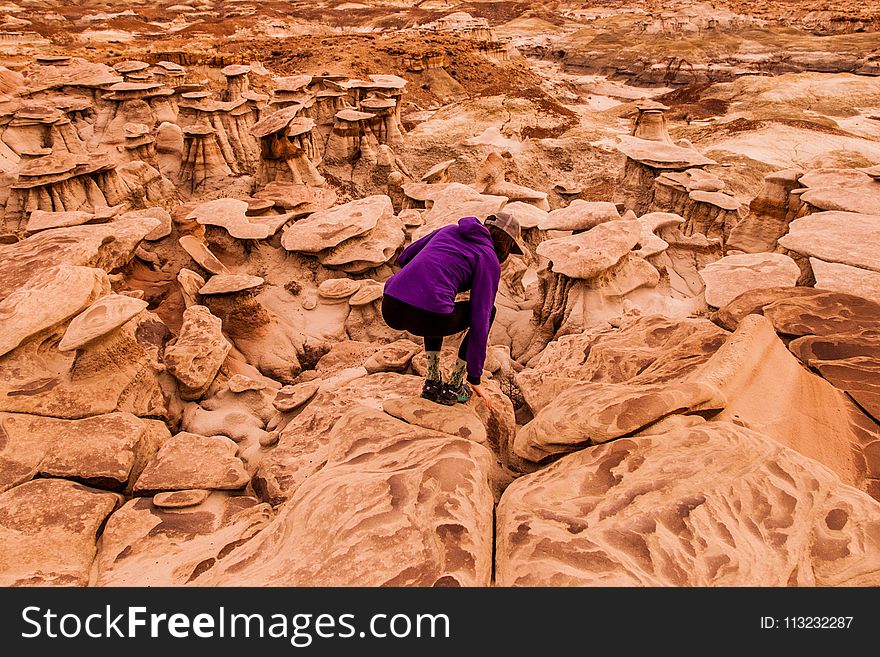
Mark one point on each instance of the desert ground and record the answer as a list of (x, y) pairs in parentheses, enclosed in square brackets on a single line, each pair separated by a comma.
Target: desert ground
[(201, 201)]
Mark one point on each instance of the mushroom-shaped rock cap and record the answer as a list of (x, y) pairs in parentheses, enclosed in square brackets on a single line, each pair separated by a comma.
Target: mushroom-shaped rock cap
[(255, 96), (353, 116), (290, 398), (292, 82), (134, 86), (369, 250), (198, 130), (130, 66), (132, 130), (338, 288), (299, 126), (195, 95), (588, 254), (275, 122), (386, 81), (38, 112), (296, 198), (436, 170), (526, 214), (367, 294), (718, 199), (52, 59), (231, 214), (52, 164), (661, 155), (229, 283), (328, 228), (100, 318), (580, 215), (235, 70), (648, 105), (171, 66), (377, 103)]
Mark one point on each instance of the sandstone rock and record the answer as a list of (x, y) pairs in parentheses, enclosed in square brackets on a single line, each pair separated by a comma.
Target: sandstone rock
[(231, 214), (729, 277), (846, 190), (758, 377), (366, 294), (329, 228), (449, 202), (369, 250), (195, 357), (588, 254), (661, 155), (393, 357), (104, 315), (490, 179), (580, 215), (406, 506), (591, 413), (190, 283), (847, 238), (200, 252), (187, 461), (635, 513), (230, 283), (527, 215), (146, 545), (298, 200), (849, 362), (770, 213), (454, 420), (289, 398), (338, 288), (843, 278), (162, 230), (48, 528), (105, 451), (179, 499)]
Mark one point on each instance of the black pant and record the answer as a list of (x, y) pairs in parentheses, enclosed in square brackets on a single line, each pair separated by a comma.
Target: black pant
[(433, 327)]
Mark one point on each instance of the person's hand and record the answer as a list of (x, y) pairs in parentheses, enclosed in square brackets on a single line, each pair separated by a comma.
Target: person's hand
[(478, 391)]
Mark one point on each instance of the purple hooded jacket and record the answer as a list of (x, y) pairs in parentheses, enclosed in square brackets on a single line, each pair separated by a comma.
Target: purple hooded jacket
[(450, 260)]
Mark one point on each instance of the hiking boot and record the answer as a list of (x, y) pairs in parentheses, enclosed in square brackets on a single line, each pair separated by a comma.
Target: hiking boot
[(439, 393), (462, 392)]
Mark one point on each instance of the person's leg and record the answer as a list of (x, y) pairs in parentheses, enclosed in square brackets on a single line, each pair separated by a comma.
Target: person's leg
[(433, 345), (460, 368)]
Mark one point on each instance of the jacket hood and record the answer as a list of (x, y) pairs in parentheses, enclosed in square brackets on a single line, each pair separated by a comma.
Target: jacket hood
[(473, 230)]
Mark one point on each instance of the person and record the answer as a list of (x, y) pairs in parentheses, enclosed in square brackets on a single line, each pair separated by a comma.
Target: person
[(420, 297)]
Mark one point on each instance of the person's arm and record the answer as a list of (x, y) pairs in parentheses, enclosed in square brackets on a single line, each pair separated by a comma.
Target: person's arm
[(413, 249), (483, 291)]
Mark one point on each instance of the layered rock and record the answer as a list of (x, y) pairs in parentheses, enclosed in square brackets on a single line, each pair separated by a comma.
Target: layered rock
[(195, 356)]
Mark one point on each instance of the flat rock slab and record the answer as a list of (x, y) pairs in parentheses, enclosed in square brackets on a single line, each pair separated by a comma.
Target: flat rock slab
[(148, 545), (338, 288), (456, 420), (48, 298), (526, 214), (843, 278), (586, 255), (230, 283), (392, 357), (329, 228), (732, 275), (593, 413), (580, 215), (738, 509), (180, 499), (187, 460), (106, 314), (849, 362), (231, 214), (396, 505), (289, 398), (48, 529), (200, 349), (849, 238), (103, 451), (803, 311), (660, 155), (373, 248), (42, 220)]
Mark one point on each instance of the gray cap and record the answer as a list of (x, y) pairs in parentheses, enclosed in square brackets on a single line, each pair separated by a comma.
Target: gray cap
[(509, 224)]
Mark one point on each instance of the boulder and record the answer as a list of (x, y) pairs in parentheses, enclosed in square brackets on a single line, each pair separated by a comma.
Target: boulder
[(395, 505), (588, 254), (739, 510), (329, 228), (847, 238), (195, 357), (729, 277), (843, 278), (49, 529), (188, 460), (104, 315), (580, 215)]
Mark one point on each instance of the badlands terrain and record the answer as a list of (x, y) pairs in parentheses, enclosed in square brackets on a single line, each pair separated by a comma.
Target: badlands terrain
[(200, 202)]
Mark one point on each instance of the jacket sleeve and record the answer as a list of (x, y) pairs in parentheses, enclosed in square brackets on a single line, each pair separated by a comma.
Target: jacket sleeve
[(413, 249), (483, 291)]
